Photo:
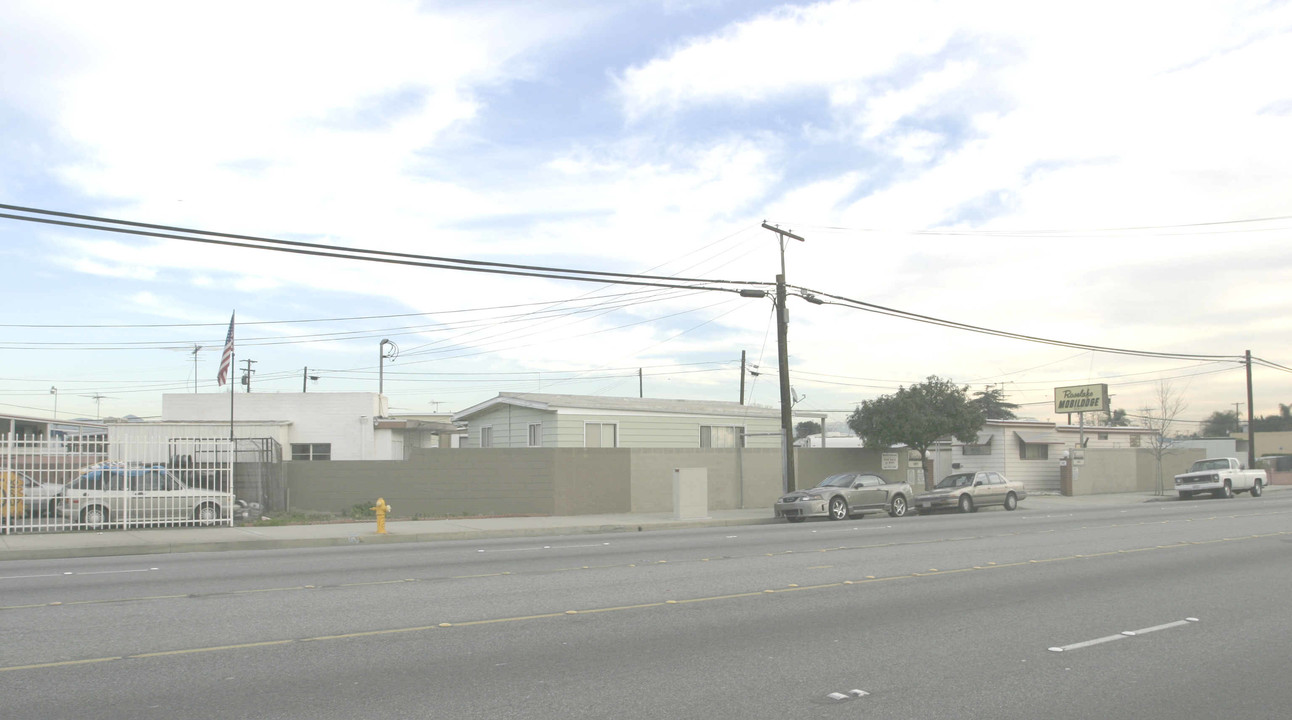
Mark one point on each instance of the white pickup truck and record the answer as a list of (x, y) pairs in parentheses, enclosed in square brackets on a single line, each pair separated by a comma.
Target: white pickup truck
[(1222, 477)]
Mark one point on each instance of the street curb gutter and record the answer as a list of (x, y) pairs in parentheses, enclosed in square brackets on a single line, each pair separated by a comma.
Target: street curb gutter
[(362, 539)]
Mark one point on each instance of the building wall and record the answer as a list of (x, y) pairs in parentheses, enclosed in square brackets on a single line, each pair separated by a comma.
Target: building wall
[(344, 420), (470, 481), (510, 425), (560, 481), (1112, 470), (1273, 443)]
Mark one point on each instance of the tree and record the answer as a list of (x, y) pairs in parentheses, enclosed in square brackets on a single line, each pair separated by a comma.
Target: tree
[(1274, 423), (992, 404), (805, 428), (1117, 418), (917, 416), (1221, 424), (1159, 418)]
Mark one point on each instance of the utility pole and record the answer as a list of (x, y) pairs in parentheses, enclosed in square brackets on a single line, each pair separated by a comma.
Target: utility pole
[(246, 374), (195, 349), (783, 359), (742, 377), (641, 390), (381, 362), (1251, 421), (307, 377)]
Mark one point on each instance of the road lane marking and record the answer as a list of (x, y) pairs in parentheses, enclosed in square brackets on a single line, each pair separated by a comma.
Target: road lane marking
[(64, 663), (622, 608), (1123, 635)]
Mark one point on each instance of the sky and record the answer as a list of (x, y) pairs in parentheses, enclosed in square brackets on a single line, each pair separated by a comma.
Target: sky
[(1110, 174)]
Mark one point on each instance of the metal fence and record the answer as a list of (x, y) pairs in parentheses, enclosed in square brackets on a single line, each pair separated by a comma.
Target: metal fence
[(52, 484)]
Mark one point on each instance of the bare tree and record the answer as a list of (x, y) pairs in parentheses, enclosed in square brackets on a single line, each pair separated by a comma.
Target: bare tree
[(1159, 418)]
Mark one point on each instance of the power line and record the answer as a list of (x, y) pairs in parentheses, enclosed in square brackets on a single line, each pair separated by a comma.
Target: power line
[(928, 319), (368, 255)]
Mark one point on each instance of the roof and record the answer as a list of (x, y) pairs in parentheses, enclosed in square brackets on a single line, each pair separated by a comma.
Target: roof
[(618, 405), (1036, 438)]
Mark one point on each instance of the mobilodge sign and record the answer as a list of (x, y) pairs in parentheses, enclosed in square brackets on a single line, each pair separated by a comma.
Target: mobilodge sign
[(1081, 398)]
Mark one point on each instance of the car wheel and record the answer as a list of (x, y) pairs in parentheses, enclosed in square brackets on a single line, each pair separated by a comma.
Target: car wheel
[(899, 506), (207, 514), (1225, 492), (1186, 495), (966, 504), (1257, 489), (1011, 502), (95, 517), (838, 509)]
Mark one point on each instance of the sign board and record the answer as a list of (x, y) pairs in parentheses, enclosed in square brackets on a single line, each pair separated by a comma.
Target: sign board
[(889, 461), (1078, 456), (1081, 398)]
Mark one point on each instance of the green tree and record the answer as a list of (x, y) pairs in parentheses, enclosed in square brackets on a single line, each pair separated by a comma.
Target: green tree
[(992, 404), (805, 428), (1274, 423), (1221, 424), (917, 416), (1117, 418)]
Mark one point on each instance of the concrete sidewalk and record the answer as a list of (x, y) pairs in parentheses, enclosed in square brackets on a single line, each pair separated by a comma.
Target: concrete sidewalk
[(36, 546)]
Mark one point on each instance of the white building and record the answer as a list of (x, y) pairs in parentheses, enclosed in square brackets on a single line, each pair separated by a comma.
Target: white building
[(1031, 451), (308, 426)]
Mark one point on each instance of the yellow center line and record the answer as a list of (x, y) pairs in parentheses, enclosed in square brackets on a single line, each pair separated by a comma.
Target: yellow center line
[(216, 648), (65, 663)]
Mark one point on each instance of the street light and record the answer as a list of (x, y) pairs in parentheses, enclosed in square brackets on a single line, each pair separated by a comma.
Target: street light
[(54, 391), (381, 362)]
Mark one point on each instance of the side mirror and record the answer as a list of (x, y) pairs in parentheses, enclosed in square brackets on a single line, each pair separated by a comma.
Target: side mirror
[(976, 483)]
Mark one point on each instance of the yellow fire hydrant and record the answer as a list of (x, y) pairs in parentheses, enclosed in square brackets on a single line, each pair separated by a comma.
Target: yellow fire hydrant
[(381, 509)]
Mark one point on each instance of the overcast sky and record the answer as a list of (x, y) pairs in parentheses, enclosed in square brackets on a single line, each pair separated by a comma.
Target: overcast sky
[(1109, 173)]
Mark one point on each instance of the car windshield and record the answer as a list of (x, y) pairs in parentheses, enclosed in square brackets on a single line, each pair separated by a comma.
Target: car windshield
[(844, 480), (955, 481)]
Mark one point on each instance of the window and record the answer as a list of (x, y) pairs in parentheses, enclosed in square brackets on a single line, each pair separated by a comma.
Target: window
[(1134, 440), (996, 479), (1103, 436), (1033, 451), (600, 435), (984, 449), (311, 451), (536, 434), (486, 436), (721, 436)]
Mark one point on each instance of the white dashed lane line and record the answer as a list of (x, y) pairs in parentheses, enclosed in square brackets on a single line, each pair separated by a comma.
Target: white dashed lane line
[(1123, 635)]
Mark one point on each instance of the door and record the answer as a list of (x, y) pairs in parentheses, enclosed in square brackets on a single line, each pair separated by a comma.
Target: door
[(868, 493)]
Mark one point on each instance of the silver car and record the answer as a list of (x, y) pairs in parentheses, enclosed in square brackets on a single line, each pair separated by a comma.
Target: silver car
[(140, 496), (846, 494), (968, 491)]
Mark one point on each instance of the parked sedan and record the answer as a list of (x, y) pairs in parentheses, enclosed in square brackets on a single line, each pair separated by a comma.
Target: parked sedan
[(144, 495), (846, 494), (969, 491)]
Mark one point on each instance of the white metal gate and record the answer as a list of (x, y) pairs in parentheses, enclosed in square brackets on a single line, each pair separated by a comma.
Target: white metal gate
[(95, 484)]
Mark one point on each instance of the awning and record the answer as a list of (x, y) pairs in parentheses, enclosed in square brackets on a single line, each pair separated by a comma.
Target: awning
[(1036, 438), (983, 439)]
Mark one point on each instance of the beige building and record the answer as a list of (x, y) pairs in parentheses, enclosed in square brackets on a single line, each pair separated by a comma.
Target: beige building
[(517, 420)]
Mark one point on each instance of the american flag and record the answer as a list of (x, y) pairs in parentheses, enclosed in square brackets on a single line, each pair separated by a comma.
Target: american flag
[(226, 359)]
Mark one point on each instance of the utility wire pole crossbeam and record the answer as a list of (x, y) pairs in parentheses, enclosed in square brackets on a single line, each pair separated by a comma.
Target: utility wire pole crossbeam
[(783, 359)]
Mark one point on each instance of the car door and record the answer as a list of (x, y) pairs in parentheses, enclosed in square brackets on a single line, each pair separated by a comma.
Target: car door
[(992, 491), (868, 492), (980, 490)]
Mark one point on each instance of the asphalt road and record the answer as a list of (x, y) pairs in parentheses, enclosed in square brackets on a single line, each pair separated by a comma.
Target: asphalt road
[(990, 615)]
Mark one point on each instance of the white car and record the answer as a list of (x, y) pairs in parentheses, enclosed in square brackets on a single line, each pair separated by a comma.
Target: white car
[(140, 496)]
